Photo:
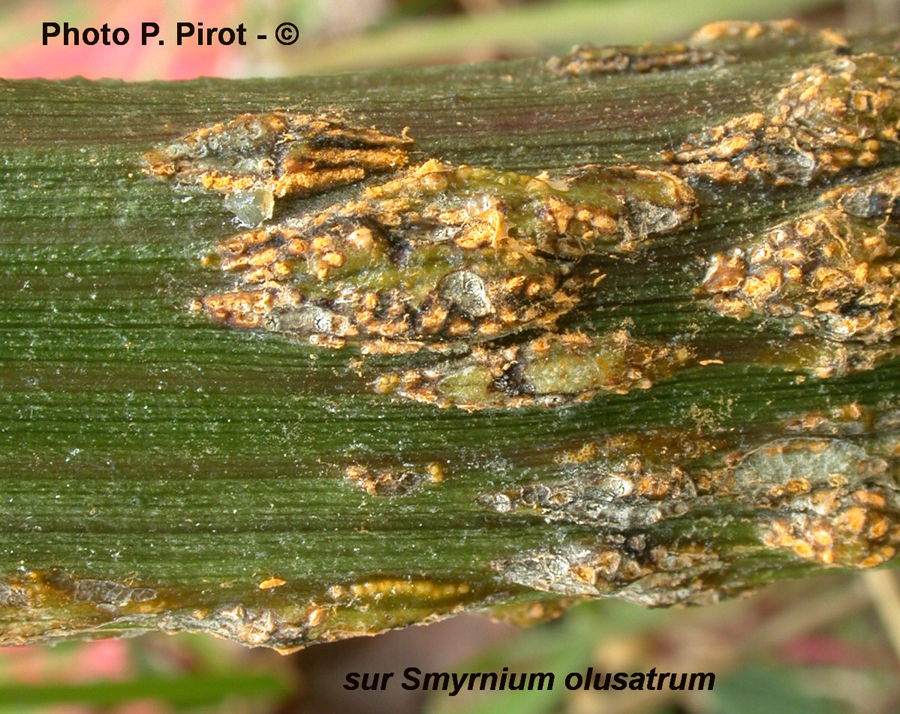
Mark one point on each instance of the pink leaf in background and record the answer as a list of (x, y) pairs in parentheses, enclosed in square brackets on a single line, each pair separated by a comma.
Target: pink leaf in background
[(22, 54)]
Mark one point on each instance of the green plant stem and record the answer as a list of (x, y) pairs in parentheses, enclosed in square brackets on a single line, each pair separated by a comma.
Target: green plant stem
[(145, 448)]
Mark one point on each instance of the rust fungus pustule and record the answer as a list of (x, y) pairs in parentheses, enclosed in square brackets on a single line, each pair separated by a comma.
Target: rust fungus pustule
[(831, 272), (829, 118), (622, 493), (551, 370), (376, 590), (744, 37), (825, 500), (393, 482), (588, 569), (283, 153), (443, 255)]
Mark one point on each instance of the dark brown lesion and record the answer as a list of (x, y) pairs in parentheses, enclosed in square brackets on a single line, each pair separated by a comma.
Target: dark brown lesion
[(284, 153)]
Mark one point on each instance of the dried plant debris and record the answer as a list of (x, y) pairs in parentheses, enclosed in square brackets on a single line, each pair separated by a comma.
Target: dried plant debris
[(280, 153), (550, 370), (830, 117), (442, 255), (831, 272), (585, 60)]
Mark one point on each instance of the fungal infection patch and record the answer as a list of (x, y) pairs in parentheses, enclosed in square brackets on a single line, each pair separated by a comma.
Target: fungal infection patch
[(255, 627), (583, 570), (393, 482), (748, 36), (442, 255), (877, 197), (103, 594), (829, 118), (480, 267), (820, 499), (403, 588), (586, 60), (279, 154), (826, 499), (452, 259), (290, 620), (483, 273), (550, 370), (713, 45), (13, 597), (831, 272), (621, 495)]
